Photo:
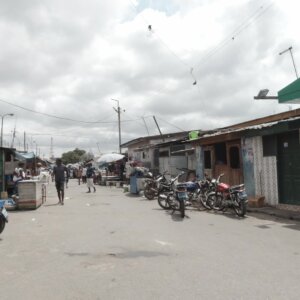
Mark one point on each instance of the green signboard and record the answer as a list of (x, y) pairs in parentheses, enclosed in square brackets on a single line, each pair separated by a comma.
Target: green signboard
[(291, 93)]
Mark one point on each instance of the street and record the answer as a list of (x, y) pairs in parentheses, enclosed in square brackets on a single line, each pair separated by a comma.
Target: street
[(115, 245)]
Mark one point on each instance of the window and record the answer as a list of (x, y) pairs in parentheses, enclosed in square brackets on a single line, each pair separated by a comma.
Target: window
[(175, 148), (269, 145), (234, 155), (164, 153), (220, 151), (207, 159)]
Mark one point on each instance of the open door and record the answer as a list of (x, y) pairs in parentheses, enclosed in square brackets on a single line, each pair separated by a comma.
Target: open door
[(234, 159)]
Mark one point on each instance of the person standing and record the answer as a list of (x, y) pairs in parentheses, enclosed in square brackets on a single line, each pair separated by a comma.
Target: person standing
[(59, 177), (90, 173), (66, 178), (79, 175), (18, 176), (84, 174)]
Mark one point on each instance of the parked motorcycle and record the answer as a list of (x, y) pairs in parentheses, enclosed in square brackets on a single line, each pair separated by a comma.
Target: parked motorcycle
[(174, 195), (166, 190), (225, 196), (152, 185), (3, 218), (198, 191)]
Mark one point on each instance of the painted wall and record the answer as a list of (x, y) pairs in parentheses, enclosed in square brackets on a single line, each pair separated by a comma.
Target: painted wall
[(265, 173), (248, 165)]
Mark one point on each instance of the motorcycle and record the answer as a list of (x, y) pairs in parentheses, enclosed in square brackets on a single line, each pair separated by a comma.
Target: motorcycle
[(198, 191), (3, 218), (225, 196), (174, 195), (152, 185)]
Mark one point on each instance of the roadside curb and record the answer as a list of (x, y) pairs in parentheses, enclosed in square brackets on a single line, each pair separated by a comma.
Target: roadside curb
[(279, 213)]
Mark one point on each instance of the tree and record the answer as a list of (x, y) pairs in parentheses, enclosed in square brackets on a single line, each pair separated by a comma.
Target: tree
[(87, 156), (72, 157)]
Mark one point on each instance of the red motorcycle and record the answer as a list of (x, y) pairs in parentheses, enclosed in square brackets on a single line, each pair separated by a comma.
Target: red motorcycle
[(225, 196)]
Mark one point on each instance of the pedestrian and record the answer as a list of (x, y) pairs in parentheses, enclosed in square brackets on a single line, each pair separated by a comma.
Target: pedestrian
[(59, 177), (66, 178), (90, 173), (84, 174), (17, 177), (79, 175)]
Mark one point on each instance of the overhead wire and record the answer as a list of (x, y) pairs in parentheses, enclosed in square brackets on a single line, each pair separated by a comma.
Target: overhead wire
[(62, 118), (150, 28), (245, 24), (171, 124), (231, 37)]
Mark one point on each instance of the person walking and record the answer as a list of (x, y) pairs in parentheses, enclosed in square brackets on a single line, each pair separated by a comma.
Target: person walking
[(90, 173), (83, 174), (59, 177)]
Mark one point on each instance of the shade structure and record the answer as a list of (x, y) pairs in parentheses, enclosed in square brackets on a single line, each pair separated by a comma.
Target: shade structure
[(291, 93), (110, 157)]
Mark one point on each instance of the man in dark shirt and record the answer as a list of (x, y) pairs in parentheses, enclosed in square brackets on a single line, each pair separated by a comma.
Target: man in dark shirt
[(90, 173), (59, 175)]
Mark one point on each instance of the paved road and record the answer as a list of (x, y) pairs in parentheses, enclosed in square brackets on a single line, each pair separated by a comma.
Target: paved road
[(111, 245)]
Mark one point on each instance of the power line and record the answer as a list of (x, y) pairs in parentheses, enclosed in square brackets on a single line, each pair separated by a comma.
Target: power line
[(245, 24), (171, 124), (258, 13), (62, 118), (150, 28)]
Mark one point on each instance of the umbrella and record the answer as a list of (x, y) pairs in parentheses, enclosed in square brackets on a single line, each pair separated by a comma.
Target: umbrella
[(108, 158)]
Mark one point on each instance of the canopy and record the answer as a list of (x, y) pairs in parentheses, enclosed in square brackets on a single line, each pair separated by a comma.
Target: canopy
[(111, 157), (24, 156), (291, 93)]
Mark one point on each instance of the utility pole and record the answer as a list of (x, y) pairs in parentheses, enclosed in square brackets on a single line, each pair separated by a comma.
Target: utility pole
[(158, 128), (51, 149), (24, 141), (145, 125), (98, 148), (13, 138), (118, 111), (290, 49)]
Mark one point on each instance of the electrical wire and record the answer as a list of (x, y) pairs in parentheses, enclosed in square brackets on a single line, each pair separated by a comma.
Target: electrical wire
[(245, 24), (62, 118), (171, 124), (160, 39)]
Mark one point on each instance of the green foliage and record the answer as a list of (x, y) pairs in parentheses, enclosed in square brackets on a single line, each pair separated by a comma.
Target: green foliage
[(72, 157), (87, 156)]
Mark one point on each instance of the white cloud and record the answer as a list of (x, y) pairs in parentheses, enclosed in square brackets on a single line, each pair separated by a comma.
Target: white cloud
[(69, 58)]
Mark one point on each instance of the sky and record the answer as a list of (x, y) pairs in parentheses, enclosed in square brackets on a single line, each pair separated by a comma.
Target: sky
[(65, 67)]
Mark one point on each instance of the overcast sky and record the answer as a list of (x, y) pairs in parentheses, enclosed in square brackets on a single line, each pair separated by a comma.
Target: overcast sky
[(68, 59)]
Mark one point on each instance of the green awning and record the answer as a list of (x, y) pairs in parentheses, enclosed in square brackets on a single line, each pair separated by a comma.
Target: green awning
[(291, 93)]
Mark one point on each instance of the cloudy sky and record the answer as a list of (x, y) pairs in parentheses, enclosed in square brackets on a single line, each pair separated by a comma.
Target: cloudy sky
[(61, 63)]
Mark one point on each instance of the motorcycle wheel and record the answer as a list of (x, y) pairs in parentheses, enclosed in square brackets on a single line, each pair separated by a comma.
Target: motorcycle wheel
[(149, 194), (163, 201), (241, 209), (182, 208), (2, 224), (203, 201), (215, 201)]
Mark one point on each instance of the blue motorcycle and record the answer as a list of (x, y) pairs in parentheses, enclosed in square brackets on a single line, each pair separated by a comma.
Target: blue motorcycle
[(3, 217)]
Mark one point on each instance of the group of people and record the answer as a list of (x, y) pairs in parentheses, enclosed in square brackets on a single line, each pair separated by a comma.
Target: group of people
[(60, 178)]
